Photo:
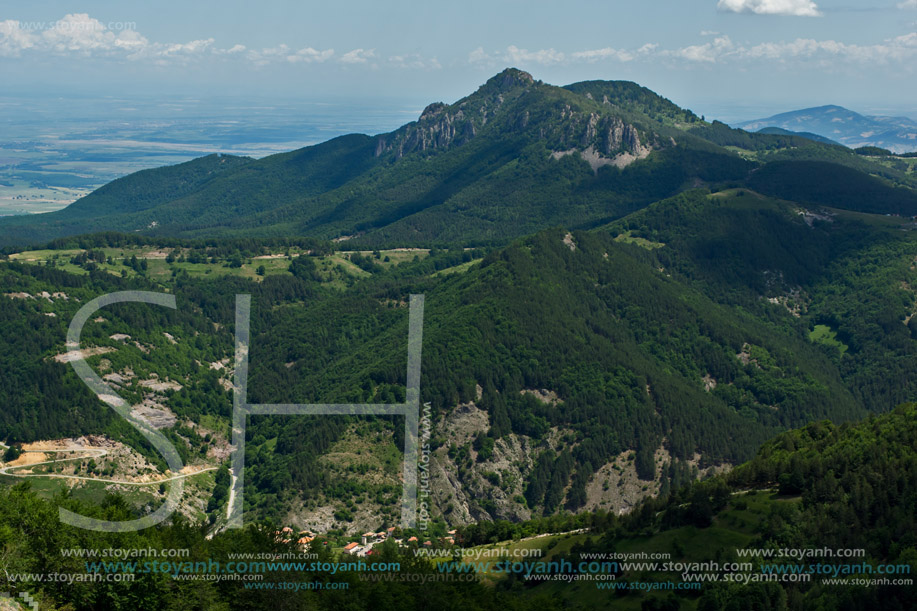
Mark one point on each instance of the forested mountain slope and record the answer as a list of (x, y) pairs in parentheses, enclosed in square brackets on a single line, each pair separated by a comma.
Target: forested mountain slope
[(514, 157), (674, 340)]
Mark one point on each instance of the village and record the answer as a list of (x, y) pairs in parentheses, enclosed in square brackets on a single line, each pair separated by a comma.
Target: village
[(364, 547)]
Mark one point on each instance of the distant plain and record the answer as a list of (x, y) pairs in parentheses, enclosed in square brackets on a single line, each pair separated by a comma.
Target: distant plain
[(54, 150)]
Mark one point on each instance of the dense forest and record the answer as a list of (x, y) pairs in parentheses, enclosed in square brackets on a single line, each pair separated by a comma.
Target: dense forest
[(669, 330), (515, 157), (825, 485)]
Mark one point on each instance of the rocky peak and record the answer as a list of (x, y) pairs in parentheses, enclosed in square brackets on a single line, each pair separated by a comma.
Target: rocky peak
[(510, 79), (512, 102), (433, 109)]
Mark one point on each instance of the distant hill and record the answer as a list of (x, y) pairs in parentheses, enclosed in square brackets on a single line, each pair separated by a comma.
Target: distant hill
[(897, 134), (779, 131)]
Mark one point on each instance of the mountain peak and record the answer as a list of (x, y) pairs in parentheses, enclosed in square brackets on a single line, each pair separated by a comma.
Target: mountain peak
[(510, 79), (433, 109)]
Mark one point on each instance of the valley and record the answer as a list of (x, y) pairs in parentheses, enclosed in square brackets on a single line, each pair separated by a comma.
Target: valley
[(642, 332), (483, 466)]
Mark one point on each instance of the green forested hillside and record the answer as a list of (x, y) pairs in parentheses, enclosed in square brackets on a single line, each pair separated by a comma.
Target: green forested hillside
[(850, 273), (778, 131), (634, 98), (126, 197), (829, 184), (822, 487), (515, 157), (677, 329), (824, 490), (624, 346)]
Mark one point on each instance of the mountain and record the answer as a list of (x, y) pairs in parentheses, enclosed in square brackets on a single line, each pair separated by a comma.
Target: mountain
[(655, 296), (777, 131), (573, 370), (897, 134), (806, 495), (512, 158), (818, 488)]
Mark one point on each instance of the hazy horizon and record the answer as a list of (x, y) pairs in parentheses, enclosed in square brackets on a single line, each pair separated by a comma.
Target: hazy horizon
[(55, 149), (716, 54)]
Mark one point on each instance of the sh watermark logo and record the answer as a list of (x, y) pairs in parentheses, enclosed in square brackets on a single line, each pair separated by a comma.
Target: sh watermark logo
[(25, 597), (241, 409)]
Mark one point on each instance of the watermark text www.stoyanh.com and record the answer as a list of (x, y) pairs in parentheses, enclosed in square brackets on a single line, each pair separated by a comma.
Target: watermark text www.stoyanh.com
[(73, 25)]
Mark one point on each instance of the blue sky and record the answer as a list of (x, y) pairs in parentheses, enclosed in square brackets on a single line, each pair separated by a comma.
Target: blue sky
[(717, 56)]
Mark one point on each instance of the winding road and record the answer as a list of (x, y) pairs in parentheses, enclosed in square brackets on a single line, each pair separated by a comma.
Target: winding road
[(95, 453)]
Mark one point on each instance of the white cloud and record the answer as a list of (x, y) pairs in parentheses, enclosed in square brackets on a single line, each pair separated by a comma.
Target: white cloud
[(310, 55), (722, 49), (74, 34), (516, 55), (480, 56), (79, 35), (414, 60), (231, 51), (799, 8), (261, 57), (709, 52), (83, 34), (908, 4), (358, 56), (901, 49), (593, 55), (188, 49), (14, 39)]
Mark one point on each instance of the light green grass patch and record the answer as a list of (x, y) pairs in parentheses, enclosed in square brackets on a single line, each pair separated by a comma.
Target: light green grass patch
[(823, 334), (461, 268), (628, 238)]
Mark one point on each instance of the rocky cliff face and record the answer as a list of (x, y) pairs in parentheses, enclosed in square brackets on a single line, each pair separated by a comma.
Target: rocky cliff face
[(437, 128), (513, 105), (467, 489)]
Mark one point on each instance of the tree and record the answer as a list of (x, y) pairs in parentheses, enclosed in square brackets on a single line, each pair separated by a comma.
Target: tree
[(11, 454)]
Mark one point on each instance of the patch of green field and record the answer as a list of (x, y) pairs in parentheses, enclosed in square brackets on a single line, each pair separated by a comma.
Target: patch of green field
[(139, 497), (626, 237), (876, 220), (215, 423), (337, 270), (741, 196), (40, 256), (91, 492), (734, 527), (908, 165), (747, 154), (395, 256), (461, 268), (823, 334), (340, 259)]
